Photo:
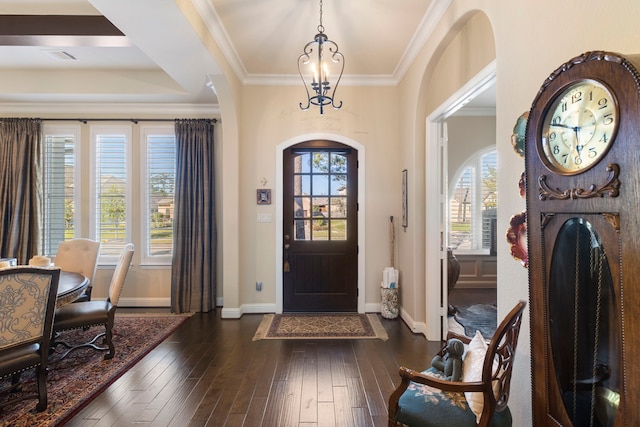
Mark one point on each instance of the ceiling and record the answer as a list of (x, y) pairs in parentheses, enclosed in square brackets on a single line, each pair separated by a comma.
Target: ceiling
[(147, 52)]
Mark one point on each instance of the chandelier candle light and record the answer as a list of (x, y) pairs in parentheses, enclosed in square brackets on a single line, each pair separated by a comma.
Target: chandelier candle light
[(320, 56)]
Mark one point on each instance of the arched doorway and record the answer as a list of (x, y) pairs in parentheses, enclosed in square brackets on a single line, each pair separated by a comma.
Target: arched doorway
[(278, 200), (320, 227)]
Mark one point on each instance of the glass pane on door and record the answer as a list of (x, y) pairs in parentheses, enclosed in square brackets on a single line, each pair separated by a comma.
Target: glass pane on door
[(320, 195)]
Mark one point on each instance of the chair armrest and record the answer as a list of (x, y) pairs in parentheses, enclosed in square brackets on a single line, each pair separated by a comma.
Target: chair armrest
[(407, 375), (441, 384)]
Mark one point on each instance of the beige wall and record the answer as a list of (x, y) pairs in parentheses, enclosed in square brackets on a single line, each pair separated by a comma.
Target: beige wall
[(466, 136)]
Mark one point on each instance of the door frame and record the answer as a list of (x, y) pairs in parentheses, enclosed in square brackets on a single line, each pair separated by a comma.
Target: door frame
[(435, 251), (361, 211)]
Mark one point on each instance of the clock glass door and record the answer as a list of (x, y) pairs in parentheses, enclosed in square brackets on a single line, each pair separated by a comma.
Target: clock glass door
[(583, 325)]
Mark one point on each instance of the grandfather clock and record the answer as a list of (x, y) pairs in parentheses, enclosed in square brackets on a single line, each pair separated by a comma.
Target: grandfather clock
[(583, 223)]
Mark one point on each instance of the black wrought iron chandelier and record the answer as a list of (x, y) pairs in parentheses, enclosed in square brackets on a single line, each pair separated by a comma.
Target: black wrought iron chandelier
[(320, 59)]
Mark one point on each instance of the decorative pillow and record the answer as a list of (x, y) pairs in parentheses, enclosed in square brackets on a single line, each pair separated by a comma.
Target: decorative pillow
[(472, 371)]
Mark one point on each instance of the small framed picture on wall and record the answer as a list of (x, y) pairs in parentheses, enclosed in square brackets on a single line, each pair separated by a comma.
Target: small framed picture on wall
[(264, 196), (405, 220)]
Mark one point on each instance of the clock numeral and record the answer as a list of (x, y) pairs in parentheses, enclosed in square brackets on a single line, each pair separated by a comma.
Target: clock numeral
[(576, 97), (607, 119), (552, 136), (603, 139), (556, 149), (592, 152), (563, 109), (577, 160), (603, 103), (565, 157)]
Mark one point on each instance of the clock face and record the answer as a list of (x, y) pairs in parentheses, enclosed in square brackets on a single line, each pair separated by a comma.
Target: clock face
[(579, 127)]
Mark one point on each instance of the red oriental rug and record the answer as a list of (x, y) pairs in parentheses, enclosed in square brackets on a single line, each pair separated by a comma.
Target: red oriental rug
[(75, 381)]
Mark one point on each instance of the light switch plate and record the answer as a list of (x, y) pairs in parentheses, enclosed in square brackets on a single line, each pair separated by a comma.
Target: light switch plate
[(265, 217)]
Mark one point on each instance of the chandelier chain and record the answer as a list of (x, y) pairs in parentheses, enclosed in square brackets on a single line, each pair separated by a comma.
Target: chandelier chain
[(320, 27)]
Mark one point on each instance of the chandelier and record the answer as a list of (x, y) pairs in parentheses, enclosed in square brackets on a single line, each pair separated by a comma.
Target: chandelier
[(319, 60)]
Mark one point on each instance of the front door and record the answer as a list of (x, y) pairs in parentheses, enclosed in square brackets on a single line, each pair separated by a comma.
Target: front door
[(320, 250)]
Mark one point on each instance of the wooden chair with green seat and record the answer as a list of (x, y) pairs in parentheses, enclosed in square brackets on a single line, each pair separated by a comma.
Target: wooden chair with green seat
[(425, 399), (28, 300)]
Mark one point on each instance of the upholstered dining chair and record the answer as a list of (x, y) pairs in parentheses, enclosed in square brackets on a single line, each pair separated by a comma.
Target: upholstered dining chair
[(95, 313), (79, 255), (427, 399), (27, 302)]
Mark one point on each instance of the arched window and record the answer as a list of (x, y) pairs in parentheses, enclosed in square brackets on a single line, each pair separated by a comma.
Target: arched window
[(473, 204)]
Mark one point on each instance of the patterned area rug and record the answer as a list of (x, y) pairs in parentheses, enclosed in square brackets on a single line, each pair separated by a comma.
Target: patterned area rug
[(481, 317), (76, 380), (320, 326)]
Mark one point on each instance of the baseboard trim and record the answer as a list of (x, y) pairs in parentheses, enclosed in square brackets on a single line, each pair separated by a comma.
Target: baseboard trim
[(415, 327), (144, 302), (154, 302)]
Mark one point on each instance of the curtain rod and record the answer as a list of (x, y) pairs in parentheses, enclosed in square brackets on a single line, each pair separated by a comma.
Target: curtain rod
[(122, 120)]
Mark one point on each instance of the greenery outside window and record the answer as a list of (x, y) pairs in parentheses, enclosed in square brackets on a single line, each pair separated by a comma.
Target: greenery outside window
[(473, 204), (159, 171), (112, 188)]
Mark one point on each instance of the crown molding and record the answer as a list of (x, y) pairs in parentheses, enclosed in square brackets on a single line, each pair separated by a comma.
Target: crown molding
[(214, 25), (115, 109), (430, 20), (294, 80)]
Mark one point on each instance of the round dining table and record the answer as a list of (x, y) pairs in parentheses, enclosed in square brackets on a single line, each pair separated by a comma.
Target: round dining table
[(70, 287)]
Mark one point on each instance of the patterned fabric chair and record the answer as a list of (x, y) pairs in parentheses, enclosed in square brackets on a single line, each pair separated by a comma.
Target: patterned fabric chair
[(27, 305), (79, 256), (95, 313), (426, 399)]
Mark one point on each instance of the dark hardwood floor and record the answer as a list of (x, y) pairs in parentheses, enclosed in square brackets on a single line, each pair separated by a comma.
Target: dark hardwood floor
[(210, 373)]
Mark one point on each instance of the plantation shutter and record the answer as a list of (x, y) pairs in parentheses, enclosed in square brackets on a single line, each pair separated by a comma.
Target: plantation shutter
[(59, 184), (111, 206), (160, 190)]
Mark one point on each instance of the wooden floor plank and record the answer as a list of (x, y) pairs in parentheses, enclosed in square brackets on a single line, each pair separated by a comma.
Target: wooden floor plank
[(290, 414), (326, 414), (325, 385), (309, 392), (343, 413), (256, 411)]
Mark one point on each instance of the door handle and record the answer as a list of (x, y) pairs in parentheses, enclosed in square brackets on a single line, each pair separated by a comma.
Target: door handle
[(287, 266)]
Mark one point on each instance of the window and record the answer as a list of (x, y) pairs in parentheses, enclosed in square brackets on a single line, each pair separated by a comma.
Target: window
[(320, 195), (159, 145), (61, 187), (112, 184), (473, 204), (128, 181)]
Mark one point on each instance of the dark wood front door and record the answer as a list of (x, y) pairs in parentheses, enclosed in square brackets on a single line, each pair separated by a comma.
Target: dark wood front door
[(320, 253)]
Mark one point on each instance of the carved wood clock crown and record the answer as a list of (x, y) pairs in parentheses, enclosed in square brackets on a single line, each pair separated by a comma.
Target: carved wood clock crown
[(582, 167)]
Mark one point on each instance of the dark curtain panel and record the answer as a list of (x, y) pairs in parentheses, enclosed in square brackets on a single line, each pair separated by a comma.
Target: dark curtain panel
[(193, 273), (20, 188)]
